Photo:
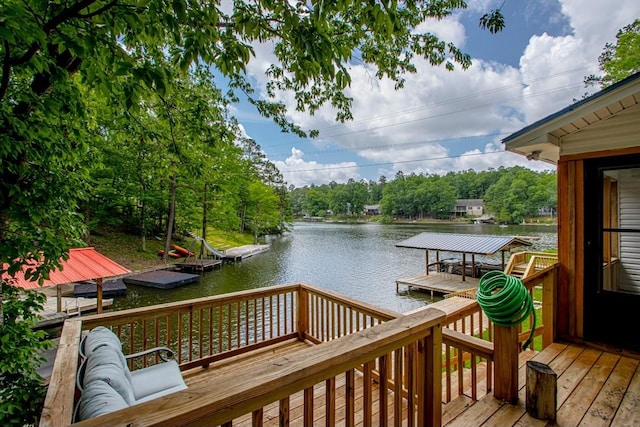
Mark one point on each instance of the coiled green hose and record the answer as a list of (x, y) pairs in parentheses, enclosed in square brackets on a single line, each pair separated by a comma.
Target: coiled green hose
[(505, 300)]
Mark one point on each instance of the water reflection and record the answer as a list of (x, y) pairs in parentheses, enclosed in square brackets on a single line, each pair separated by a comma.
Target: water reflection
[(357, 260)]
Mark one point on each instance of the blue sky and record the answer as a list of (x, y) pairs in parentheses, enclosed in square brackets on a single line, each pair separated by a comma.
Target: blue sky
[(443, 121)]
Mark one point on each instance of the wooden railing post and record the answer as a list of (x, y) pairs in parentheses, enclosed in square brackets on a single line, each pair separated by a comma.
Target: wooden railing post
[(303, 313), (549, 307), (433, 379), (506, 349)]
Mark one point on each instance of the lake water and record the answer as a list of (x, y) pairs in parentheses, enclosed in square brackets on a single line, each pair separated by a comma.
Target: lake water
[(356, 260)]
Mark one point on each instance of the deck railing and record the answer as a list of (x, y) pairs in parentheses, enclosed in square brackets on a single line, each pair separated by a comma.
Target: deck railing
[(205, 330), (406, 355), (470, 347)]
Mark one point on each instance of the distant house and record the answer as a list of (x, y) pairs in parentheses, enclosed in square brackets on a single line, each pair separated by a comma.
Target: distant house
[(469, 207), (372, 210)]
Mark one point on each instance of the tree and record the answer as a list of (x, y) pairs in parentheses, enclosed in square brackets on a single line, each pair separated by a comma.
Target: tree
[(262, 209), (620, 60), (55, 56), (22, 390), (127, 48)]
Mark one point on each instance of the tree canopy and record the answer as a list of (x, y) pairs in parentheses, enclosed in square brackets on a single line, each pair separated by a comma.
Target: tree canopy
[(60, 60), (509, 194), (620, 60)]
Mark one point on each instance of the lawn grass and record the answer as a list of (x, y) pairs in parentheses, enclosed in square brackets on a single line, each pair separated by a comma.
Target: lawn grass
[(126, 249)]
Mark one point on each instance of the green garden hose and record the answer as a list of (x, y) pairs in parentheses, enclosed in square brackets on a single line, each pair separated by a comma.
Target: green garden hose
[(505, 300)]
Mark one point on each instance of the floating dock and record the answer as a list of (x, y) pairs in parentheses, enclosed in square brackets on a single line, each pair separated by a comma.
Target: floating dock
[(113, 288), (242, 252), (161, 279), (199, 265)]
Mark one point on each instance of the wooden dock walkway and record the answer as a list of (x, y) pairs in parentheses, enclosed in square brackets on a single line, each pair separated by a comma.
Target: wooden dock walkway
[(71, 306), (246, 251), (199, 265), (438, 283)]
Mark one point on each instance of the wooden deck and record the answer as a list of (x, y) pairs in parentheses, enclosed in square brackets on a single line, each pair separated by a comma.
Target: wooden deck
[(199, 265), (438, 283), (246, 251), (50, 316), (595, 388)]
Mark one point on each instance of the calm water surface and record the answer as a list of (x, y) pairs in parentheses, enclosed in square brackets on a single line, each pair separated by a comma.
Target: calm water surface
[(356, 260)]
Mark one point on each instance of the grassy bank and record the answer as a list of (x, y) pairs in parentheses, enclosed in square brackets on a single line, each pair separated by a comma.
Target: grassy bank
[(126, 249)]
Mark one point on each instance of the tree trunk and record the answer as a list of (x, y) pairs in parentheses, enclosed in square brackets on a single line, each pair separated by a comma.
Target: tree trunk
[(143, 226), (172, 210), (204, 222)]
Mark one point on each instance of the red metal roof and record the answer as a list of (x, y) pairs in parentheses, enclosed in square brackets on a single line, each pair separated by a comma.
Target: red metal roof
[(83, 264)]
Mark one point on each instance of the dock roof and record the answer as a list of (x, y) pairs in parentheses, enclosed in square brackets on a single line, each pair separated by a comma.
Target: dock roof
[(83, 264), (480, 244)]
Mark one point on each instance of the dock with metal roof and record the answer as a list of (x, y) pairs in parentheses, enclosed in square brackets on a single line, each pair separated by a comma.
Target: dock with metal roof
[(440, 281)]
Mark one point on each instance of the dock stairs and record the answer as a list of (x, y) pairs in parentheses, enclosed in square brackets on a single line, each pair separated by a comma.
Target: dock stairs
[(524, 264)]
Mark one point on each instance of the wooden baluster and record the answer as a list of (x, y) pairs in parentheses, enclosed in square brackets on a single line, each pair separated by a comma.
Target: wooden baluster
[(200, 333), (382, 388), (284, 412), (397, 387), (144, 342), (256, 418), (349, 395), (474, 377), (330, 404), (263, 317), (210, 330), (190, 335), (308, 407), (549, 308), (366, 394), (285, 312), (246, 322), (411, 384), (448, 373), (303, 314)]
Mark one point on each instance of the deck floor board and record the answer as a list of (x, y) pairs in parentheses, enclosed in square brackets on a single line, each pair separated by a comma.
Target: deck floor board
[(595, 388)]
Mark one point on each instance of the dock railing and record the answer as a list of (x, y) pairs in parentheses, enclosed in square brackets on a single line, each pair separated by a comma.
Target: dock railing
[(480, 357)]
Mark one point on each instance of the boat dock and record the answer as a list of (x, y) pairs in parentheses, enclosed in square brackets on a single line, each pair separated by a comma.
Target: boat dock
[(242, 252), (438, 283), (162, 279), (50, 316), (199, 265)]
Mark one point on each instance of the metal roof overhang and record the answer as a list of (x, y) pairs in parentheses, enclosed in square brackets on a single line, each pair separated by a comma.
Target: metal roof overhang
[(83, 264), (542, 140), (477, 244)]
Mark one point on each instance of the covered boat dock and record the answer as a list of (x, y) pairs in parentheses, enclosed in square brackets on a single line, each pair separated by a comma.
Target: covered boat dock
[(442, 281)]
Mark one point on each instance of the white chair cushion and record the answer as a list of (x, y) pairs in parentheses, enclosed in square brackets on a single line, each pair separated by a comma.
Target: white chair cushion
[(98, 398), (109, 365), (98, 337), (157, 380)]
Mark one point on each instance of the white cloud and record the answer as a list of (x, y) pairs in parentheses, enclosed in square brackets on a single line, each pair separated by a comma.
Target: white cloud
[(396, 128), (300, 172)]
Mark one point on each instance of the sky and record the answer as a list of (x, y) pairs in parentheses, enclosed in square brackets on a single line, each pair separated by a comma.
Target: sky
[(449, 120)]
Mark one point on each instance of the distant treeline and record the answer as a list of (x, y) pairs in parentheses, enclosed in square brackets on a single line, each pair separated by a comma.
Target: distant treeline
[(509, 194)]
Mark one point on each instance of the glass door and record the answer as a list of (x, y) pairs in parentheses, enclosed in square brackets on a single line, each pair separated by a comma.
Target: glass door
[(612, 250)]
